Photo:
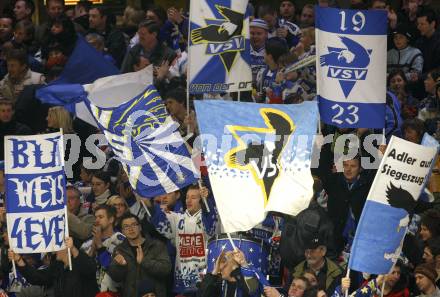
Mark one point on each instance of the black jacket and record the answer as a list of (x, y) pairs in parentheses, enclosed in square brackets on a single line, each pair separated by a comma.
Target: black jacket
[(430, 48), (81, 281), (114, 43), (155, 267), (341, 198)]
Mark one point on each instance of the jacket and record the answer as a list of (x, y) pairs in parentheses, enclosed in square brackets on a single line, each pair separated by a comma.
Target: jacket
[(250, 283), (430, 48), (155, 267), (80, 281), (342, 198), (409, 59), (11, 89), (80, 225), (333, 275), (114, 43)]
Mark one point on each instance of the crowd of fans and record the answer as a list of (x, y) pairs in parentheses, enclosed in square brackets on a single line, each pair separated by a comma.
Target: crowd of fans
[(125, 245)]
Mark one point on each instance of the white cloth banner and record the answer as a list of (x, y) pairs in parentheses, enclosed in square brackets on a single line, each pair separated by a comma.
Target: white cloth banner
[(35, 193), (219, 51)]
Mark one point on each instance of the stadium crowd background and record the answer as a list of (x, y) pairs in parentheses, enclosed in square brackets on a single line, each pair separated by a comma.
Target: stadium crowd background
[(126, 245)]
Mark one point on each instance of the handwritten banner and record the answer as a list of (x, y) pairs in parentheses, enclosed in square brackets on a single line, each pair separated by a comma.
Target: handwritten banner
[(35, 193)]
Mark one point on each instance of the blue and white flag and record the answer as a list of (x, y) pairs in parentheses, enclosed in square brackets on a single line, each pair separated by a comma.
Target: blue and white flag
[(133, 118), (258, 158), (351, 70), (219, 51), (35, 193), (85, 65), (390, 206)]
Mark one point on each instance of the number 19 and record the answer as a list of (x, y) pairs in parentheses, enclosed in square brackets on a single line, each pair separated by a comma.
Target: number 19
[(358, 21)]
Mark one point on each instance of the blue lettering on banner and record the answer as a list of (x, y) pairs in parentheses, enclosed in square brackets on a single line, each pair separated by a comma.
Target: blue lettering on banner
[(35, 193), (29, 153), (31, 233), (32, 193)]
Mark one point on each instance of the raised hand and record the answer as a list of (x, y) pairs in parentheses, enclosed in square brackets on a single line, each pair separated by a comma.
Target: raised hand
[(120, 260)]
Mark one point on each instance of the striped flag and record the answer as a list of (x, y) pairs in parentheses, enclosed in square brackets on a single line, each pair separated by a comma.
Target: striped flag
[(143, 136)]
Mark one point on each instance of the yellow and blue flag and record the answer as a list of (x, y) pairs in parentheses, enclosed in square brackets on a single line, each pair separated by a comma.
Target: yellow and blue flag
[(258, 158)]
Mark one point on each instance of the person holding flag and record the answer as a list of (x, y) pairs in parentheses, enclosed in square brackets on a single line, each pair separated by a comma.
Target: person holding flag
[(80, 281), (189, 232)]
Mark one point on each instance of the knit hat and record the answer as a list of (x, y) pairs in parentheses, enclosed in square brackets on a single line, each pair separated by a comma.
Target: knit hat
[(427, 270), (259, 23), (403, 31)]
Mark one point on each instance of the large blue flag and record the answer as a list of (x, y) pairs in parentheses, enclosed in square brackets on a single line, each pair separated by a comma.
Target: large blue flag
[(351, 70), (141, 133), (219, 46), (390, 206), (85, 65), (258, 158)]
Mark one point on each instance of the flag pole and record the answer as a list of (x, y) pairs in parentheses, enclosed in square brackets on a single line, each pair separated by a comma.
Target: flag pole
[(231, 241), (188, 68), (66, 220), (348, 289), (145, 207), (14, 268), (204, 199)]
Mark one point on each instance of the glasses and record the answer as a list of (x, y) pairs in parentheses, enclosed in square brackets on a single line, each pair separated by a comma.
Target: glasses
[(132, 226)]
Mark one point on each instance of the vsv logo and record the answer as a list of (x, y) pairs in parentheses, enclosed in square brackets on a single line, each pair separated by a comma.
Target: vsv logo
[(224, 37), (235, 44), (348, 65)]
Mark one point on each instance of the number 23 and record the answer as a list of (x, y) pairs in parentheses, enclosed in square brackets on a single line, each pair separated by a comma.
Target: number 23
[(351, 118)]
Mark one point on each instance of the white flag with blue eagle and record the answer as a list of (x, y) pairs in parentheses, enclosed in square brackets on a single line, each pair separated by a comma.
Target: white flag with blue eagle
[(219, 48), (351, 70)]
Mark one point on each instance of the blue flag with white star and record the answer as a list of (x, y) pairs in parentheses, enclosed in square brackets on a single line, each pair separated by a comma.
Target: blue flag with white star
[(219, 46), (351, 70)]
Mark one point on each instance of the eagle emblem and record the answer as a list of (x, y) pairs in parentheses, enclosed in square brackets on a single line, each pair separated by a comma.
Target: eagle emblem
[(348, 64), (263, 159), (223, 37)]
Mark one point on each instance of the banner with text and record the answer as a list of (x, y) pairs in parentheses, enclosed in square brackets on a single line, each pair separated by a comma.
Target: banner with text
[(35, 192), (390, 206), (351, 69)]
